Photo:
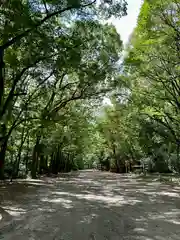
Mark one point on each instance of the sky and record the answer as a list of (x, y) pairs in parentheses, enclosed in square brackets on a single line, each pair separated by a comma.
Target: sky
[(126, 24)]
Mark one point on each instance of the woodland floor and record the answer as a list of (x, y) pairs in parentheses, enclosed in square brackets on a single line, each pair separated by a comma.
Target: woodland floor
[(90, 205)]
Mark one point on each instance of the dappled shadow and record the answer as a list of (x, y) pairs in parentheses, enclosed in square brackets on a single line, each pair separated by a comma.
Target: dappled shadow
[(91, 205)]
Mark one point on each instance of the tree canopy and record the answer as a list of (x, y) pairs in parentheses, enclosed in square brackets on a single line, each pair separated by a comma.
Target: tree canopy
[(55, 58), (59, 59)]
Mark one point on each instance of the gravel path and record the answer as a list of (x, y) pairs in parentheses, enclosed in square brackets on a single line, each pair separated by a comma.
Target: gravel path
[(90, 205)]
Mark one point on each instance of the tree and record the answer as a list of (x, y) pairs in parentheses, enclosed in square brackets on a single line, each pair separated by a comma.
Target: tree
[(152, 65), (53, 53), (143, 124)]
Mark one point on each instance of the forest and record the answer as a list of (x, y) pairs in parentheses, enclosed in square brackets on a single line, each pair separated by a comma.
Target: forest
[(59, 60)]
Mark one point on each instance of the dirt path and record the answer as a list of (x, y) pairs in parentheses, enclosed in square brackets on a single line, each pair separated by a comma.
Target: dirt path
[(90, 205)]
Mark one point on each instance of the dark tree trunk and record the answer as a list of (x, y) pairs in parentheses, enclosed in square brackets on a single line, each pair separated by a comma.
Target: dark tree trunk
[(54, 168), (18, 159), (116, 159), (2, 66), (3, 149), (34, 164), (27, 155), (178, 155)]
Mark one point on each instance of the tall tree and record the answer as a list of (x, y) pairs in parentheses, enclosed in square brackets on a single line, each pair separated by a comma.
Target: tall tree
[(53, 53)]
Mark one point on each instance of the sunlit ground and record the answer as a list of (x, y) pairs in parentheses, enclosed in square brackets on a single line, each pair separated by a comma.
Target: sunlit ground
[(90, 205)]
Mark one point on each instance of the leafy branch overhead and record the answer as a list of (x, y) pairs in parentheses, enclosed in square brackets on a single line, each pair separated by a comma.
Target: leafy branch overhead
[(61, 62), (52, 54)]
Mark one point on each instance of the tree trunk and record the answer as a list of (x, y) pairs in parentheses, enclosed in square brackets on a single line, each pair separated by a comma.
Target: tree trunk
[(3, 146), (54, 169), (46, 162), (18, 159), (116, 159), (3, 149), (34, 164), (1, 80), (178, 155), (27, 156)]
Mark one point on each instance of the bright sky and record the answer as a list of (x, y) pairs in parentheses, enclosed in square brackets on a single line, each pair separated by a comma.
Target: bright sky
[(126, 24)]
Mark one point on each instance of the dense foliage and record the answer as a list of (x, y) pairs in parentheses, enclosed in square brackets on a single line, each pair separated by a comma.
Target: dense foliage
[(58, 59), (55, 58), (144, 127)]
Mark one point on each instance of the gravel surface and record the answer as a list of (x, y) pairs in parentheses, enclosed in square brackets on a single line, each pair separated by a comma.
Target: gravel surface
[(90, 205)]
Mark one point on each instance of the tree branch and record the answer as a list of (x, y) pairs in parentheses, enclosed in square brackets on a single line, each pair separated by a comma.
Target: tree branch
[(11, 93), (25, 33), (45, 6)]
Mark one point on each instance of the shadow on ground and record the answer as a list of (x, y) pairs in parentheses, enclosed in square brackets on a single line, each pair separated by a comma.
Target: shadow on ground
[(90, 205)]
